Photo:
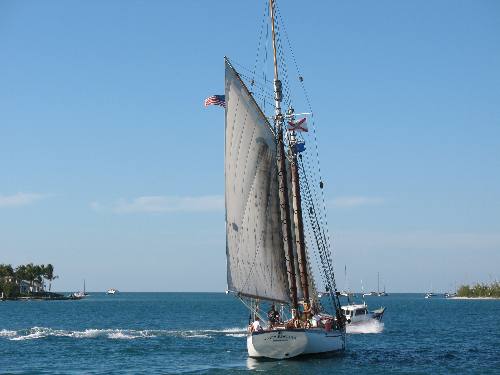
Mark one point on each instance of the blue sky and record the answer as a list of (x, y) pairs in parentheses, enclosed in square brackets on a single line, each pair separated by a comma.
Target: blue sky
[(112, 169)]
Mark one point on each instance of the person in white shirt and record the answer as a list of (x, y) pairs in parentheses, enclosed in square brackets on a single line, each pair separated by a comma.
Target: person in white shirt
[(256, 325)]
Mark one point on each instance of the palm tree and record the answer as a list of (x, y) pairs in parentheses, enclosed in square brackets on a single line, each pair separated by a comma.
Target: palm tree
[(6, 270), (33, 273), (21, 273), (7, 285), (48, 273)]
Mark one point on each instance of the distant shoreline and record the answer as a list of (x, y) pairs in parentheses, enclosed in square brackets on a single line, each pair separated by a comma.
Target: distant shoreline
[(474, 298)]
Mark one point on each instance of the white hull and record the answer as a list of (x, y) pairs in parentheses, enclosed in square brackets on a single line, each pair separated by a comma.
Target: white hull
[(281, 344), (363, 319)]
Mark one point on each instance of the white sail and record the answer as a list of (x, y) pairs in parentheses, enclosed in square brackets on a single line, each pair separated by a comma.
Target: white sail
[(254, 246)]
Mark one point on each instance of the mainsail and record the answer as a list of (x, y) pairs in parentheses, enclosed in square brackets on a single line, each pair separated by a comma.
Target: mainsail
[(254, 247)]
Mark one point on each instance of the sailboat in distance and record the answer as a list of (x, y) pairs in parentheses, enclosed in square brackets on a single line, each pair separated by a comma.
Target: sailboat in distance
[(379, 293), (269, 203)]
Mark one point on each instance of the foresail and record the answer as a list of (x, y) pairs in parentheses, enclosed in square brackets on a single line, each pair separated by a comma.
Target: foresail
[(254, 247)]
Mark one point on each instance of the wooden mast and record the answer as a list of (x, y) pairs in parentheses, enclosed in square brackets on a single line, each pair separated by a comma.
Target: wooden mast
[(299, 223), (282, 177)]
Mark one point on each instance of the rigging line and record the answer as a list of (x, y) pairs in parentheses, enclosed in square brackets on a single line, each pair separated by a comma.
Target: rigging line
[(282, 54), (264, 18), (296, 66), (314, 251), (250, 78), (280, 60), (259, 86), (247, 72), (266, 50), (284, 69), (308, 170), (323, 250), (312, 116), (327, 270), (310, 207), (260, 95), (240, 65), (323, 217), (260, 90)]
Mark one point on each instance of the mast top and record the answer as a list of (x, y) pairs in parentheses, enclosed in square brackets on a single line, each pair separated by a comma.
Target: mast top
[(278, 96)]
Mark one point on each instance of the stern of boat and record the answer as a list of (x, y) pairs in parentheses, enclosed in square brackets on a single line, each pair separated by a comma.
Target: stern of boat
[(282, 344)]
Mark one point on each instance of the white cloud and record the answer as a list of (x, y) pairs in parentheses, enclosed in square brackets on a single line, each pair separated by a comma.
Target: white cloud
[(20, 199), (355, 201), (161, 203)]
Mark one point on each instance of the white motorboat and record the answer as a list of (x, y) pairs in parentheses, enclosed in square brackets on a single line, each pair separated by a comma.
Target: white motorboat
[(358, 313), (346, 294), (112, 291), (430, 295)]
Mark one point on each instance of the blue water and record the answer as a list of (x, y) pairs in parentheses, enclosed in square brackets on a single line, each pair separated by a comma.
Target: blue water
[(204, 333)]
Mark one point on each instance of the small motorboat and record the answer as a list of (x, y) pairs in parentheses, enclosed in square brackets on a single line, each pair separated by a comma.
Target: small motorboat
[(358, 313), (430, 295), (112, 291)]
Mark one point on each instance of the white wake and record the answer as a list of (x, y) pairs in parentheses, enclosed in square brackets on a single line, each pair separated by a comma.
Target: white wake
[(370, 326), (117, 334)]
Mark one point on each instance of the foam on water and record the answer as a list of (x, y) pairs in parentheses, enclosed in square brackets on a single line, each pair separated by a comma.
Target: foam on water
[(7, 333), (371, 326), (195, 335), (116, 334), (236, 334)]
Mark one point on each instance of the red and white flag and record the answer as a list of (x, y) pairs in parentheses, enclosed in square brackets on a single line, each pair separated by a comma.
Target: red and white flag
[(298, 126)]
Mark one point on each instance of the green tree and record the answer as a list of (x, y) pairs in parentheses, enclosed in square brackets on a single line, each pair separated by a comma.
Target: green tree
[(21, 272), (6, 270), (48, 273), (30, 272), (8, 288)]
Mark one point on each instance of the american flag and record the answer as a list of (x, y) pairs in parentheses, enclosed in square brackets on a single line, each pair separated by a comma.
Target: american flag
[(216, 100)]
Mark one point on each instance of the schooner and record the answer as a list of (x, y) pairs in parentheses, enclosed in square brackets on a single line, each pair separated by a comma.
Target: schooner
[(267, 201)]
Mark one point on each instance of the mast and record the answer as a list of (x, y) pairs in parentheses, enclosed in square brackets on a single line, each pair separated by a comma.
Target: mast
[(282, 178), (378, 282), (294, 168), (299, 224)]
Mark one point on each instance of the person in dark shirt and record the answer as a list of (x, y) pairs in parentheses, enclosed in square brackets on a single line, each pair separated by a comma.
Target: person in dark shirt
[(273, 316)]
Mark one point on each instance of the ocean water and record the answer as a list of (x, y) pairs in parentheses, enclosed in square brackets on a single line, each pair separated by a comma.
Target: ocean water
[(142, 333)]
